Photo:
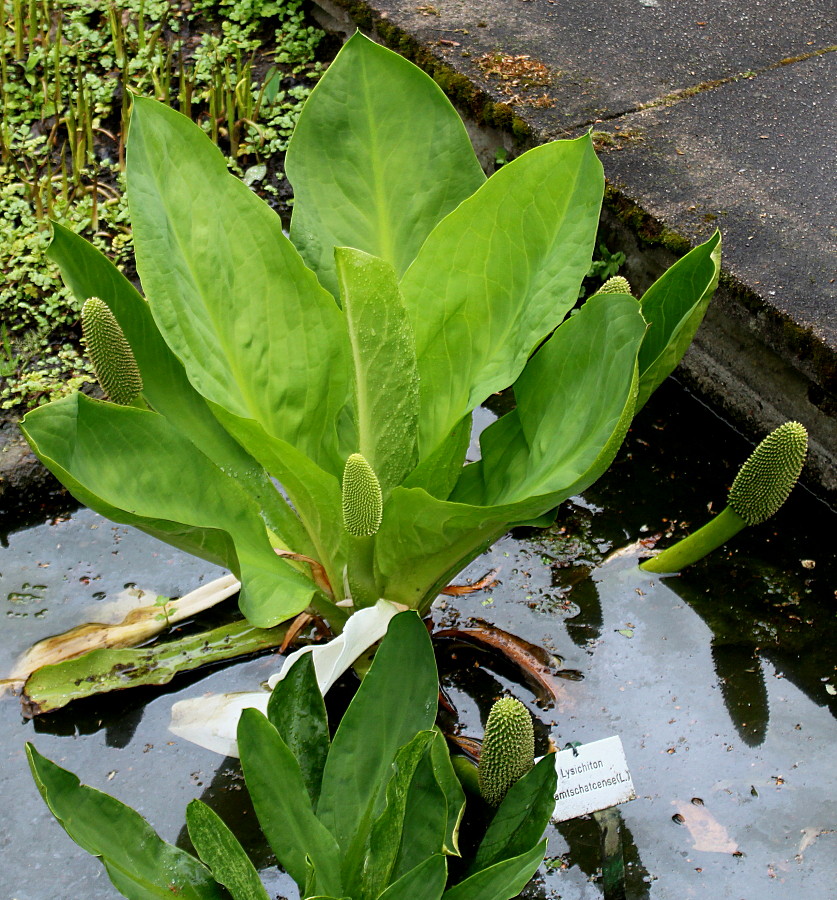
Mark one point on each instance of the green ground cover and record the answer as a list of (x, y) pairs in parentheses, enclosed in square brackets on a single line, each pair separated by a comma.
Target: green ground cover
[(240, 68)]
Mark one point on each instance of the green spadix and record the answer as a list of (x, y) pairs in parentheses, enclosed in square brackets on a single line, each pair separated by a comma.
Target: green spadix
[(110, 353), (508, 749), (761, 486), (362, 498), (615, 285)]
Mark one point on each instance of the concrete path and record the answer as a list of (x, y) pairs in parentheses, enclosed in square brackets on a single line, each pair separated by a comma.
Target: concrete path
[(720, 114)]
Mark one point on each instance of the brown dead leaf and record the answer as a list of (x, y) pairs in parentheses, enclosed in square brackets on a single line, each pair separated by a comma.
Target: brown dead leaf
[(535, 663)]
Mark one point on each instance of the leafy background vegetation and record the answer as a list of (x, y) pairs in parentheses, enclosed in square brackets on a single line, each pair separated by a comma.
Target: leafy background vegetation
[(240, 68)]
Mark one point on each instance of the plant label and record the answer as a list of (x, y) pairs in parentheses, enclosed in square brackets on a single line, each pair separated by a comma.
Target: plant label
[(591, 777)]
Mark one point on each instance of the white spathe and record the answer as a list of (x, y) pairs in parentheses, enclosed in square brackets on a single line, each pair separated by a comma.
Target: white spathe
[(212, 721)]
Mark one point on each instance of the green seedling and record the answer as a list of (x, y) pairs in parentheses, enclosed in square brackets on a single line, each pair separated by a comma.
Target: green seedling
[(372, 812), (167, 610), (8, 360), (403, 298), (760, 488)]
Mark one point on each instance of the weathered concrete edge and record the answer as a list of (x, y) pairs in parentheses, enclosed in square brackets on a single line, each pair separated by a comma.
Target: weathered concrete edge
[(750, 361)]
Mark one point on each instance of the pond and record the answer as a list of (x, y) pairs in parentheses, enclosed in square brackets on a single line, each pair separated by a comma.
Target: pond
[(721, 682)]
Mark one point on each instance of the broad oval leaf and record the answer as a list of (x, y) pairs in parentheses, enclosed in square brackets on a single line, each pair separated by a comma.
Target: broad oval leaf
[(502, 881), (387, 830), (425, 817), (571, 397), (563, 436), (88, 273), (140, 864), (219, 848), (497, 275), (214, 264), (377, 158), (157, 480), (521, 818)]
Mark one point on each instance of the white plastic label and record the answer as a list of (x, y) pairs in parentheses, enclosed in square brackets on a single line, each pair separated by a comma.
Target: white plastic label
[(591, 777)]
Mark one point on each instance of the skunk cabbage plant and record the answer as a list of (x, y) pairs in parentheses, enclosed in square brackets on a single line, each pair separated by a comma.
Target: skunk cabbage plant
[(411, 289), (373, 812)]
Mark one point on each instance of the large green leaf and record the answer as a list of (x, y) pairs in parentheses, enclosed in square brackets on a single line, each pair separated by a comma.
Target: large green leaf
[(384, 358), (230, 294), (386, 834), (497, 275), (219, 848), (425, 818), (283, 806), (155, 478), (377, 158), (425, 882), (674, 307), (88, 273), (521, 818), (502, 881), (570, 398), (297, 711), (140, 864), (378, 722)]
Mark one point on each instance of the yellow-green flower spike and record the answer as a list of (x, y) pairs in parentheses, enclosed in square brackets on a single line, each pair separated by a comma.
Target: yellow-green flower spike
[(761, 486), (110, 353), (363, 504), (615, 285), (763, 483), (508, 749)]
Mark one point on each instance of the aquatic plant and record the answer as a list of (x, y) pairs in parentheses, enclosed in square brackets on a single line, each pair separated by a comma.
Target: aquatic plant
[(405, 296), (760, 488), (373, 812)]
